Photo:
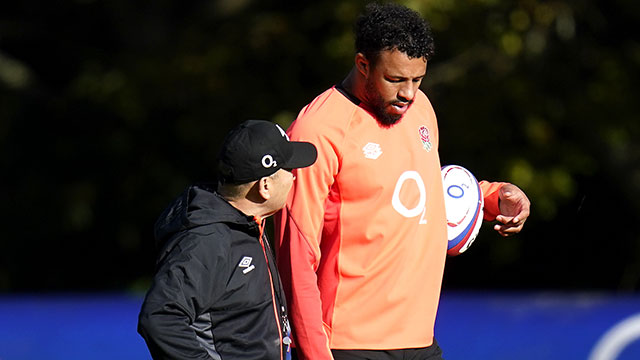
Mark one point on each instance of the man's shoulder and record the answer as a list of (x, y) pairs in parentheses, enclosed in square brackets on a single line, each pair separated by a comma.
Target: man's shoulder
[(329, 105), (422, 107), (210, 236), (328, 115), (422, 99)]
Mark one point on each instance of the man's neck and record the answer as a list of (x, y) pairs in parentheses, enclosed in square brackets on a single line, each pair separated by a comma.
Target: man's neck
[(249, 208), (353, 84)]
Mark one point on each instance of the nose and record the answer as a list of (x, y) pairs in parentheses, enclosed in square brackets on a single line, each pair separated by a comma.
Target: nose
[(407, 91)]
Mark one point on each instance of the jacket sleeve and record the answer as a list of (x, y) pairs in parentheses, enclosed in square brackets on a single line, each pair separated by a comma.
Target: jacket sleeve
[(491, 194), (183, 287), (298, 229)]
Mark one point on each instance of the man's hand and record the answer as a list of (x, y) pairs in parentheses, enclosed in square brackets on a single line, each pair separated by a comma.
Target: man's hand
[(514, 210)]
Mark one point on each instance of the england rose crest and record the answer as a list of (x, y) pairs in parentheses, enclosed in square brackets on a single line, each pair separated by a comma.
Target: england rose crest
[(424, 137)]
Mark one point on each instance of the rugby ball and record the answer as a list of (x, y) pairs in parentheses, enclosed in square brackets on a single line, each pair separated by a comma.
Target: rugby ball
[(464, 205)]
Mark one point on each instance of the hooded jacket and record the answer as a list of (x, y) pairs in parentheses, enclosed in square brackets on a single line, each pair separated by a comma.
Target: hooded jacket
[(216, 293)]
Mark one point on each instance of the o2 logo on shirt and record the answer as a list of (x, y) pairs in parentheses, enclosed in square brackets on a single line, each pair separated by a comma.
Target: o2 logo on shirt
[(420, 209)]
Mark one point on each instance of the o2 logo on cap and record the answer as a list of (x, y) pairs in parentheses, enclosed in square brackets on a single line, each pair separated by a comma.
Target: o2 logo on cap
[(268, 162)]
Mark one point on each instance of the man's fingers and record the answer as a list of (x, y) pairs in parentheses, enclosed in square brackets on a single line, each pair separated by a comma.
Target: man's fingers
[(508, 226)]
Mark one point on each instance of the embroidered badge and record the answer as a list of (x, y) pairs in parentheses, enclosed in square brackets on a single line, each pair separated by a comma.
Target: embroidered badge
[(424, 137), (372, 151), (246, 264)]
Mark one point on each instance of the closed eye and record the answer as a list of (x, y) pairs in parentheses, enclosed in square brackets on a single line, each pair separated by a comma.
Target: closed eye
[(400, 80)]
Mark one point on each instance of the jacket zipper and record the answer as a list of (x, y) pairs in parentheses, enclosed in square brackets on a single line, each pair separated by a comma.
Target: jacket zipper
[(273, 295)]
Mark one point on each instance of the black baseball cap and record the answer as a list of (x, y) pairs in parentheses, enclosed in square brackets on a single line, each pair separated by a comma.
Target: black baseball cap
[(258, 148)]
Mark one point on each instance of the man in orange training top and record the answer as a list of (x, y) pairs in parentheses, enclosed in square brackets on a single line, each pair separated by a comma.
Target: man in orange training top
[(362, 239)]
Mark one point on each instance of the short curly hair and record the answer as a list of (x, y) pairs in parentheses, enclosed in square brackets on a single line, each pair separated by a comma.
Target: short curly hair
[(391, 26)]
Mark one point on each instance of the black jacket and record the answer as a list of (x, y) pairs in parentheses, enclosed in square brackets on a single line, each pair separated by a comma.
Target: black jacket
[(216, 293)]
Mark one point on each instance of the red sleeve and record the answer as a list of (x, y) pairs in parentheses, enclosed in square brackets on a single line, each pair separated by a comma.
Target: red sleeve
[(303, 297), (298, 229), (491, 194)]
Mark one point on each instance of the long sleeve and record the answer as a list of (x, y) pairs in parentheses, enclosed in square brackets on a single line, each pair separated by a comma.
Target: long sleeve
[(299, 229), (491, 194), (172, 304), (303, 296)]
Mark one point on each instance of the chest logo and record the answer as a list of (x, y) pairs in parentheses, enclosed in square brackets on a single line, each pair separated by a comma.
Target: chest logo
[(423, 131), (372, 151), (246, 264)]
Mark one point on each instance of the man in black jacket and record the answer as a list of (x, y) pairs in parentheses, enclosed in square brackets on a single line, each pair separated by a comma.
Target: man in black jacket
[(216, 293)]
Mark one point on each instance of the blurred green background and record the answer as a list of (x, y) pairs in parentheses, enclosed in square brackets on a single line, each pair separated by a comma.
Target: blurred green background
[(108, 109)]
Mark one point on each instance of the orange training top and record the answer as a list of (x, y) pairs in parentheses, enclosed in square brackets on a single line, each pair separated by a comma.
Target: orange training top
[(361, 243)]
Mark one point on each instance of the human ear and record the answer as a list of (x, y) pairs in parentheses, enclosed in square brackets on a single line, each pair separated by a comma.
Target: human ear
[(264, 187), (362, 64)]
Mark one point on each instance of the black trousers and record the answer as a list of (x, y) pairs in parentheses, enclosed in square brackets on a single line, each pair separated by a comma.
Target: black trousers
[(432, 352)]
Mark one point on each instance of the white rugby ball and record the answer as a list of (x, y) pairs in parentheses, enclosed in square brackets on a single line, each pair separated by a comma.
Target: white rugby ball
[(464, 205)]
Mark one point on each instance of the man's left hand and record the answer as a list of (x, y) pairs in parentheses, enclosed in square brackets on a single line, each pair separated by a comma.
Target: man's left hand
[(514, 210)]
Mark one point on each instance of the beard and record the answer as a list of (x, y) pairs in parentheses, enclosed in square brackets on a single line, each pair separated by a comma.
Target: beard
[(378, 106)]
